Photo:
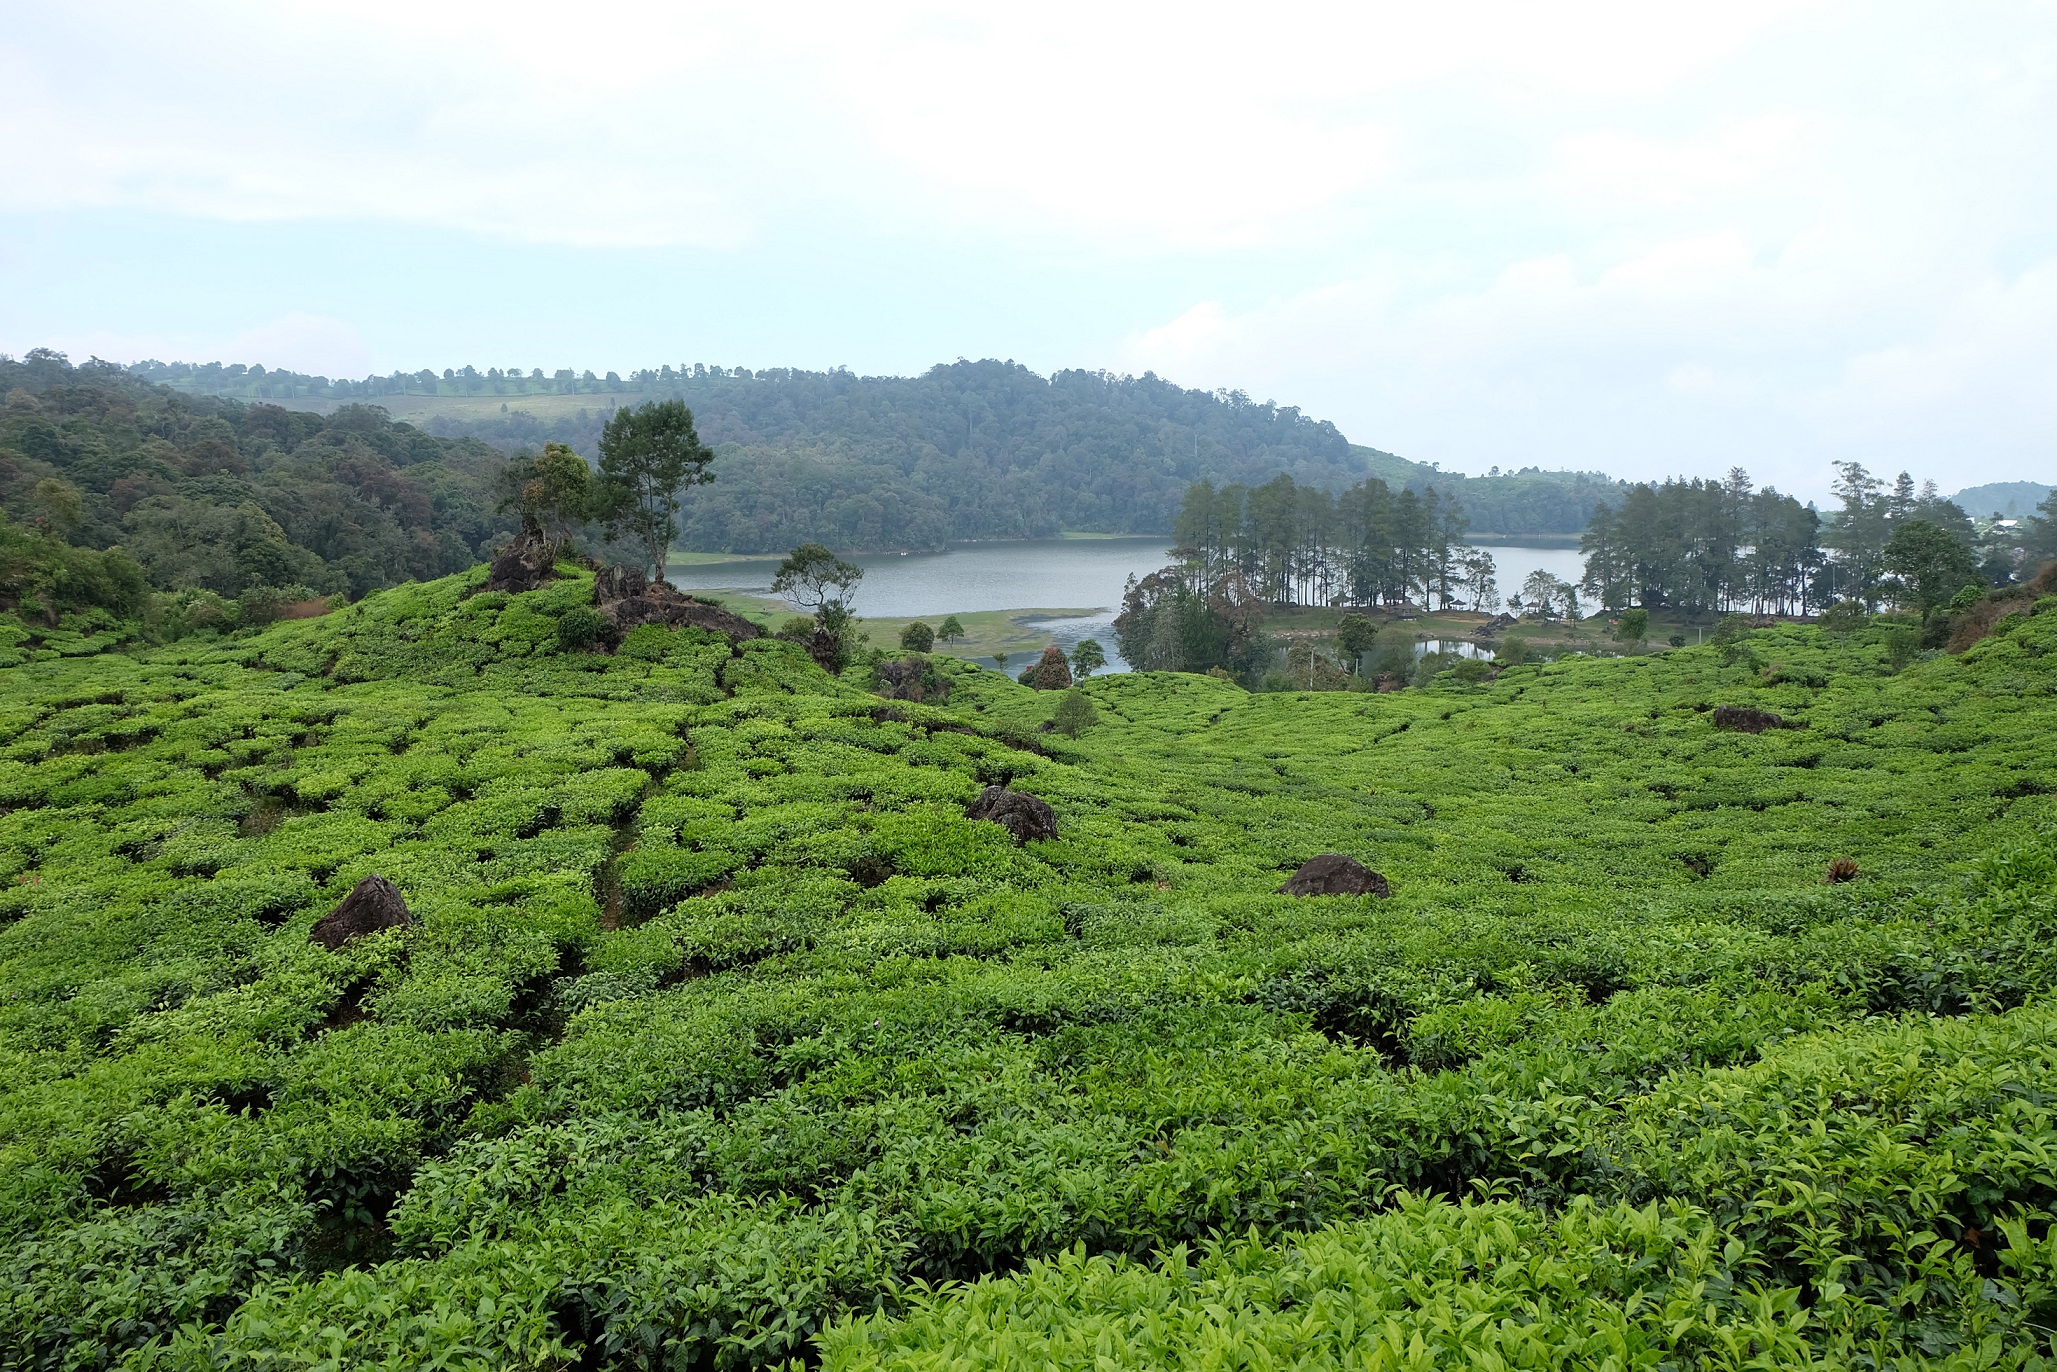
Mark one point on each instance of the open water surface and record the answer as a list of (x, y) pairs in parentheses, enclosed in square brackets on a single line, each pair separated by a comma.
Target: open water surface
[(1076, 573)]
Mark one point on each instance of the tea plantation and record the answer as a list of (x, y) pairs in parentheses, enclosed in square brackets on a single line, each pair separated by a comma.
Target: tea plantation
[(721, 1038)]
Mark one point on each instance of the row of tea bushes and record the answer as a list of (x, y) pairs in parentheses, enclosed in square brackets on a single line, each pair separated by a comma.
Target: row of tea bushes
[(719, 1022)]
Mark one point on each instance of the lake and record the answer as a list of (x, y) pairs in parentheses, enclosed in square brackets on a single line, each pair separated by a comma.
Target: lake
[(1074, 573)]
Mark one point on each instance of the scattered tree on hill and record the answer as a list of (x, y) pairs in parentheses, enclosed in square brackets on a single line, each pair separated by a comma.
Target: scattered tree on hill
[(1930, 565), (814, 579), (648, 456), (1050, 672), (1355, 634), (2039, 534), (554, 488), (1075, 713), (1633, 626), (1087, 657), (917, 637), (951, 630)]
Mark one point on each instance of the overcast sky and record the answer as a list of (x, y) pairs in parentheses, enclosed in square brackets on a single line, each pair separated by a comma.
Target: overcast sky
[(1634, 237)]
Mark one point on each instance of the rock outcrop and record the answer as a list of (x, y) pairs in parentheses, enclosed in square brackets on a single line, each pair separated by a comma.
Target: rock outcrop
[(373, 904), (626, 601), (912, 678), (1746, 720), (1332, 874), (1019, 814), (524, 564)]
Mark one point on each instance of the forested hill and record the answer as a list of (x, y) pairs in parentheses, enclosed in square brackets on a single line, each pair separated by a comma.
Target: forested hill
[(218, 495), (969, 450)]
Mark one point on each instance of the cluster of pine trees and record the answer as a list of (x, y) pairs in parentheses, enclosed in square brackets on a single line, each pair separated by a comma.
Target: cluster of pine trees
[(1711, 546), (1243, 550), (1292, 544)]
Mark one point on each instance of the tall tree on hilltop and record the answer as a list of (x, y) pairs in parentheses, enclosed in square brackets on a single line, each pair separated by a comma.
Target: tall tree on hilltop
[(648, 455)]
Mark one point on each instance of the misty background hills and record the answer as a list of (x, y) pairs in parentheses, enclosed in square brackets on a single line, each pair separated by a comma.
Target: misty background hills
[(966, 451)]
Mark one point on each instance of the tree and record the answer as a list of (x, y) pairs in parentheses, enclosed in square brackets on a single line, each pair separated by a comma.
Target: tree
[(1634, 626), (1845, 616), (951, 630), (1050, 672), (1355, 634), (1087, 657), (555, 489), (1075, 714), (61, 504), (2039, 535), (1000, 661), (1930, 564), (812, 577), (648, 455), (917, 637)]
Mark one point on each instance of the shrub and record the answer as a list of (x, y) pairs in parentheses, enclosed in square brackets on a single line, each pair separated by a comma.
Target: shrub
[(581, 629), (1075, 713), (1844, 617), (1050, 672), (917, 637)]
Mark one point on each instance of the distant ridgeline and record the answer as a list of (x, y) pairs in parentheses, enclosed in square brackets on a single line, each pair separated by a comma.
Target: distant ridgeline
[(111, 486), (970, 450)]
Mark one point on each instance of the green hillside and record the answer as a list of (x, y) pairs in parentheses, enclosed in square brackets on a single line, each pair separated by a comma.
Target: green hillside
[(200, 494), (2008, 499), (722, 1038), (969, 450)]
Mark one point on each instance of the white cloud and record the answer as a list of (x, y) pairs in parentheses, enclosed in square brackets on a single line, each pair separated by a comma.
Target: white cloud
[(1598, 233)]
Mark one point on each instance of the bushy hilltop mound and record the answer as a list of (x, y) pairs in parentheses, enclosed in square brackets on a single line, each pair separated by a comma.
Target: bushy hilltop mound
[(715, 1033)]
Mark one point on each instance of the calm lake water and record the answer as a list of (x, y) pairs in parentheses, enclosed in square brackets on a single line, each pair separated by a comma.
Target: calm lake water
[(1073, 573)]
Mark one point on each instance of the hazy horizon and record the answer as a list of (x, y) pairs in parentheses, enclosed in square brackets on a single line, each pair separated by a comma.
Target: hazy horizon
[(1600, 237)]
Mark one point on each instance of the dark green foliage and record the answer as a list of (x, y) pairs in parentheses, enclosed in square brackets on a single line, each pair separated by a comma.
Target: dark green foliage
[(582, 628), (649, 455), (1932, 567), (1050, 672), (554, 488), (1075, 713), (222, 496), (951, 630), (972, 450), (1634, 626), (1087, 657), (917, 637), (721, 1027)]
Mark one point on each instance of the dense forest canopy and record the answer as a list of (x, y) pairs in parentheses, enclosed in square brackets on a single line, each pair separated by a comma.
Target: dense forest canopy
[(969, 450), (202, 493)]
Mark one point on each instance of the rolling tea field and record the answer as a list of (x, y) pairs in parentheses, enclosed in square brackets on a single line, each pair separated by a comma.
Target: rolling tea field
[(722, 1039)]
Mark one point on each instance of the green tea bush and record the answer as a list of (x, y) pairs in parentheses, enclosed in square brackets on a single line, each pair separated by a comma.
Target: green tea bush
[(721, 1037)]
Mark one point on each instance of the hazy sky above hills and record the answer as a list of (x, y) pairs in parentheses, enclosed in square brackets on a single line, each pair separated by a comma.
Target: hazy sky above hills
[(1642, 238)]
